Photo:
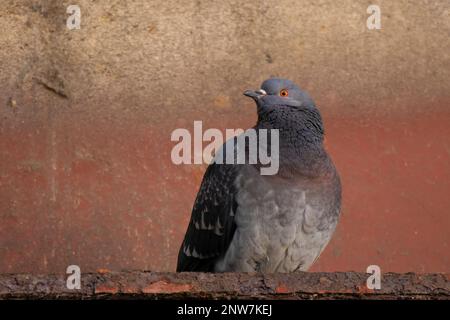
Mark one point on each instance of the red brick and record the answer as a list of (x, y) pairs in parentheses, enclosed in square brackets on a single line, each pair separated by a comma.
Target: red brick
[(282, 289), (106, 289), (167, 287)]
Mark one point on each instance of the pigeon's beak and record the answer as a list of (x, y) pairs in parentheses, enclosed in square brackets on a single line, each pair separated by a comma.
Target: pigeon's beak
[(255, 94)]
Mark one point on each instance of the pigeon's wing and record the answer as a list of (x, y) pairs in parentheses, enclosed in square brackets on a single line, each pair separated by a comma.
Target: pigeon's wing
[(212, 225)]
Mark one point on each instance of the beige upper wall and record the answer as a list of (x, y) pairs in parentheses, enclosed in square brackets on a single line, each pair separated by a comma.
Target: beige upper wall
[(133, 56)]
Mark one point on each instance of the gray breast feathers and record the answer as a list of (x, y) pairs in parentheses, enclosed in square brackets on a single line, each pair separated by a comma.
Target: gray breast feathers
[(280, 226)]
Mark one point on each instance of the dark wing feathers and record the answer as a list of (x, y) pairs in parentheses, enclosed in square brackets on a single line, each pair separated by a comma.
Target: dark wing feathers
[(212, 226)]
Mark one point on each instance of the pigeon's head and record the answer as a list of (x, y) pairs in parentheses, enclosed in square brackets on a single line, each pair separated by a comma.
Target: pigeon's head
[(282, 92), (282, 104)]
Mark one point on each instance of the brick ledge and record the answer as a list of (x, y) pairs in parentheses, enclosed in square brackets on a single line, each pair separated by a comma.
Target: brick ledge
[(155, 285)]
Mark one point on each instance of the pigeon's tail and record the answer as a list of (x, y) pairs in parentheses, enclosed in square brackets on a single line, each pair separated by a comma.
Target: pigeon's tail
[(190, 264)]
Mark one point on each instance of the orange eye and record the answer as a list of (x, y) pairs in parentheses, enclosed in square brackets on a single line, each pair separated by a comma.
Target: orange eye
[(284, 93)]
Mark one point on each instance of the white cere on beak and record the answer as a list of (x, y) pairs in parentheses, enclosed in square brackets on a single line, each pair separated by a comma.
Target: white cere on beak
[(262, 91)]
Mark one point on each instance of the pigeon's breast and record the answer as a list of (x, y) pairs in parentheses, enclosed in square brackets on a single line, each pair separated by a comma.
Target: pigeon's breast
[(282, 225)]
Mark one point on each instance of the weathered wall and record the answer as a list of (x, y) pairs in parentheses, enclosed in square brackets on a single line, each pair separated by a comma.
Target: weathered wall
[(86, 116)]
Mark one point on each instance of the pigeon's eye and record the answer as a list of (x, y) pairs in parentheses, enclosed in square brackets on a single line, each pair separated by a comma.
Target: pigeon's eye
[(284, 93)]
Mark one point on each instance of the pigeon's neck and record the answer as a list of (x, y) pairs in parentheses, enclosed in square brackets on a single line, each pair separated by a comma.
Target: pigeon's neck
[(301, 150)]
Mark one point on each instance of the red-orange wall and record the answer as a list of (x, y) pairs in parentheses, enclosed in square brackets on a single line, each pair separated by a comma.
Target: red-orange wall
[(86, 117)]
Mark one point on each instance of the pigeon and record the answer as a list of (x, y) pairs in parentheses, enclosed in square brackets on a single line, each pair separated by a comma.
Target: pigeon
[(243, 221)]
